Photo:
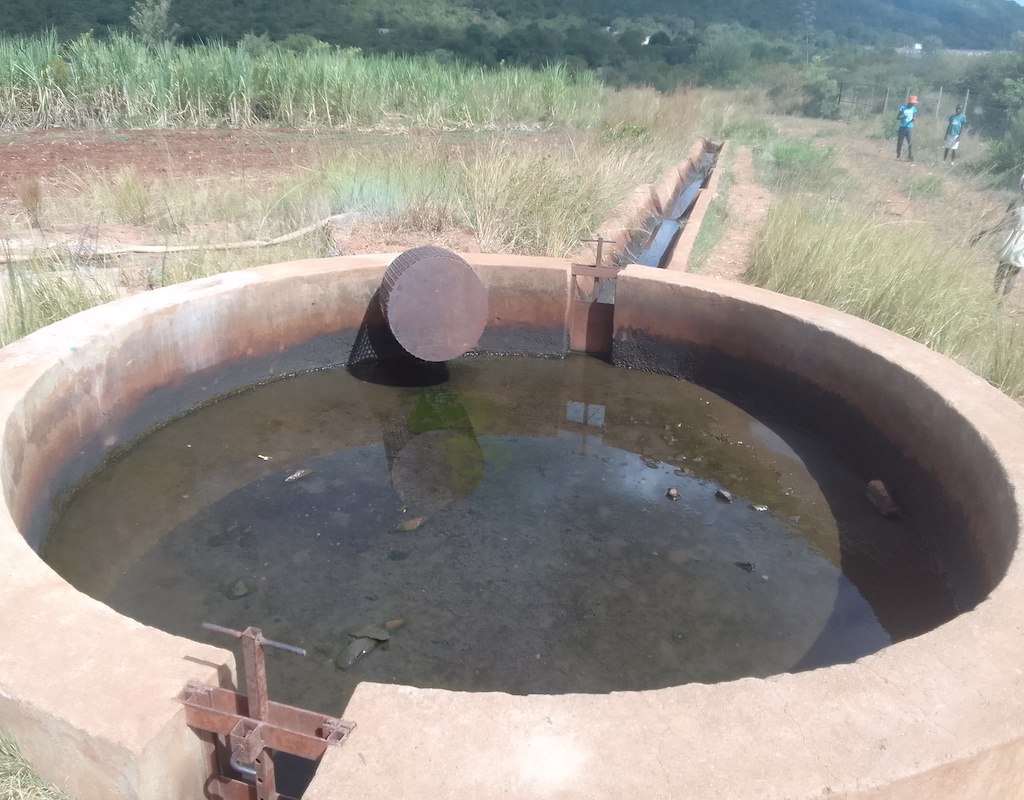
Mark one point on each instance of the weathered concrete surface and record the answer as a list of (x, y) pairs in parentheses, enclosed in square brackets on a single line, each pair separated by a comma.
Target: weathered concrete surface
[(937, 716), (88, 693)]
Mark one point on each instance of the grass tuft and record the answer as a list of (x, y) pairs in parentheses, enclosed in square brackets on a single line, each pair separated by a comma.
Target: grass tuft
[(17, 780), (48, 290), (928, 186)]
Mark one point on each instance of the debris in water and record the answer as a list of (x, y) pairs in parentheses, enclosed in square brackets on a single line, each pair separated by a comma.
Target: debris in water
[(262, 457), (879, 495), (746, 566), (299, 474), (651, 463), (721, 494), (410, 524), (356, 649), (238, 590), (672, 493), (759, 507), (377, 632), (393, 624)]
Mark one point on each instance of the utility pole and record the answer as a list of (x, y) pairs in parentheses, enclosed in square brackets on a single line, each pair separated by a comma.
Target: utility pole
[(805, 18)]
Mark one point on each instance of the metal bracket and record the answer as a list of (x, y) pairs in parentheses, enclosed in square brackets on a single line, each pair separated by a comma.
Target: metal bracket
[(253, 726), (597, 270)]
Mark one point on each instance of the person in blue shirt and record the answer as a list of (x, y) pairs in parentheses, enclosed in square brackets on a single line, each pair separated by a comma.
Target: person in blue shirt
[(905, 116), (953, 130)]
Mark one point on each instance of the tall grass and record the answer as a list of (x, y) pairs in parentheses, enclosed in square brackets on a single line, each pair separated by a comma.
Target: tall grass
[(537, 194), (895, 276), (539, 201), (121, 83), (46, 291)]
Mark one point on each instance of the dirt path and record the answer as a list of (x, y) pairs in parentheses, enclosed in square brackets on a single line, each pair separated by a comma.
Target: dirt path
[(747, 204)]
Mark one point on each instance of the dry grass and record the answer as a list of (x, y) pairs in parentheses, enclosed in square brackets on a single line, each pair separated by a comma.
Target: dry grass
[(17, 780), (30, 195), (896, 276), (539, 194)]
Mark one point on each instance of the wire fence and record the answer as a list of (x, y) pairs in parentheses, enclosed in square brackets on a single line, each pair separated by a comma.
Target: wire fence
[(861, 100), (986, 119)]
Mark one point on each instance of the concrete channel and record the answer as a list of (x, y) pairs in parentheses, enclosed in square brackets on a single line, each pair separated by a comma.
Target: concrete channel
[(90, 695)]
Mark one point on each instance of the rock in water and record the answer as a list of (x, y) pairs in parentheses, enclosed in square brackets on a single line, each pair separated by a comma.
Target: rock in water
[(298, 475), (879, 495), (356, 649)]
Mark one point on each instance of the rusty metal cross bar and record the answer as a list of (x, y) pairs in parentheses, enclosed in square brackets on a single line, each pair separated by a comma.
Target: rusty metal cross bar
[(253, 726), (597, 270)]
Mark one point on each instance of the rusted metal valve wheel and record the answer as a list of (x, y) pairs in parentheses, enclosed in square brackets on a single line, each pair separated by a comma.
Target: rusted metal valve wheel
[(434, 303)]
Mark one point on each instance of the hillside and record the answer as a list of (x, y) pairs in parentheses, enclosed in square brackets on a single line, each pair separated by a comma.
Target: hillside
[(572, 26)]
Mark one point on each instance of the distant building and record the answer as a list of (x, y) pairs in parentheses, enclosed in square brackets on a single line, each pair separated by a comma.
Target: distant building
[(917, 50)]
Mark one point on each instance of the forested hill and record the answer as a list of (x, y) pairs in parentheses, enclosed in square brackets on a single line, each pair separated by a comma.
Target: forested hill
[(465, 26)]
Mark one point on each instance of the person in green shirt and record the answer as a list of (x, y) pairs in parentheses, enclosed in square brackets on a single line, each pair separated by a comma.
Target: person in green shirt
[(953, 130)]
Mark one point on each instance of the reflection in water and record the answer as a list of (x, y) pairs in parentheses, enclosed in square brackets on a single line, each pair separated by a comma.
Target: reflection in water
[(508, 531)]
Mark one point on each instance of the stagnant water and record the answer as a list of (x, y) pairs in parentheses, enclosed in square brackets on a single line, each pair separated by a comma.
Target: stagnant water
[(513, 526)]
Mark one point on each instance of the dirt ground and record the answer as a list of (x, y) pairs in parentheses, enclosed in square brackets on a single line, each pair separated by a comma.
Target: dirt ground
[(55, 156), (58, 158)]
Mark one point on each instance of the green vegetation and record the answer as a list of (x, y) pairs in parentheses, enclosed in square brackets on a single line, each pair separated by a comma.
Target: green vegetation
[(928, 186), (122, 83), (792, 165), (713, 226), (650, 42), (17, 780), (535, 194), (45, 292), (489, 30)]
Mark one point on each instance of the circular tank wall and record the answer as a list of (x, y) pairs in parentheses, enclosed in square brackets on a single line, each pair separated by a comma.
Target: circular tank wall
[(89, 695)]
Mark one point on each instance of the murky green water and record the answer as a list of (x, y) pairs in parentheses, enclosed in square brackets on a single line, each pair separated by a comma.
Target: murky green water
[(511, 523)]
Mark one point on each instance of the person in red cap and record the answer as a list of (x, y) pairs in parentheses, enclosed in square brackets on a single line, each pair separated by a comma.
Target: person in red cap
[(905, 116)]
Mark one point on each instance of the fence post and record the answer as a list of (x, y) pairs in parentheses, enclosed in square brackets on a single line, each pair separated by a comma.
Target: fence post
[(938, 103), (885, 101)]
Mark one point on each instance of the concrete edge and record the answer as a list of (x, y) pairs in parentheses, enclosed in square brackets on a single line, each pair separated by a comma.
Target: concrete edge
[(939, 715)]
